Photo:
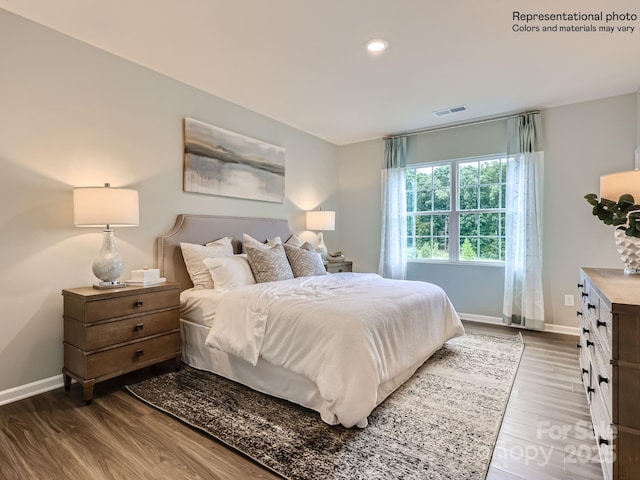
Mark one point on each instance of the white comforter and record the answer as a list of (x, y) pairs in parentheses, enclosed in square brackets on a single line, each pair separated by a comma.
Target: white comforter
[(348, 333)]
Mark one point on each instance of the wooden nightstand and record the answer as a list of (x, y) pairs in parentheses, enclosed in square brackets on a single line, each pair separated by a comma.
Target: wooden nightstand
[(337, 267), (111, 332)]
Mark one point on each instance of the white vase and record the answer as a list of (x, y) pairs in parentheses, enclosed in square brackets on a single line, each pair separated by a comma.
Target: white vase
[(629, 251)]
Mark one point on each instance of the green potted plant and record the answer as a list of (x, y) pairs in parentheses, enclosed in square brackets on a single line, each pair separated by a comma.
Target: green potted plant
[(624, 215)]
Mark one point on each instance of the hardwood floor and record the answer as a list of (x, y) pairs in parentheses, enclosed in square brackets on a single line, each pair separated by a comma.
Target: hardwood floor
[(55, 436)]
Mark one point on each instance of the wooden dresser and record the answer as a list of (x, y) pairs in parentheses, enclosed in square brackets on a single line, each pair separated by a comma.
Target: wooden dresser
[(610, 362), (111, 332)]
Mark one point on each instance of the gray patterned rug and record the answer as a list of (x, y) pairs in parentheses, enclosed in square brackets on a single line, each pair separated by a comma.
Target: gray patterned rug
[(441, 424)]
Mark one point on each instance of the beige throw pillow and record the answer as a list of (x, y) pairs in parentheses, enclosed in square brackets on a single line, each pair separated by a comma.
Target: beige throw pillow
[(269, 265), (304, 263)]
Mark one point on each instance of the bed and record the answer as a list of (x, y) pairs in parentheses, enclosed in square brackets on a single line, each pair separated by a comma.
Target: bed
[(332, 343)]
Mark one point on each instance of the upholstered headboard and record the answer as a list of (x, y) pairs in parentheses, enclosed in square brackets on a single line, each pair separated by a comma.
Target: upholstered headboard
[(202, 229)]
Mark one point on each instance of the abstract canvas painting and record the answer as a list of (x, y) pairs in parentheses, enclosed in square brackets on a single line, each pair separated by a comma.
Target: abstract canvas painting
[(220, 162)]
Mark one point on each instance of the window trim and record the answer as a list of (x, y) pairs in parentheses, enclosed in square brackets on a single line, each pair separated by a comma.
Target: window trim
[(455, 212)]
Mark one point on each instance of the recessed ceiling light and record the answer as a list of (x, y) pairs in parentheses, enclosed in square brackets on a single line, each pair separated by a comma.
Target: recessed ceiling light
[(376, 45)]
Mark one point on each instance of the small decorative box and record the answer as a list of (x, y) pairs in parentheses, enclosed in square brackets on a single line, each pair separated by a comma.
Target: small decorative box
[(145, 275)]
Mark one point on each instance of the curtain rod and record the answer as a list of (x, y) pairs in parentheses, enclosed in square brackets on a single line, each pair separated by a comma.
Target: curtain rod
[(456, 125)]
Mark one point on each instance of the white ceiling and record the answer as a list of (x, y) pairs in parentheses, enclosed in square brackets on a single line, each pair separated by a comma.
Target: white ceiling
[(303, 62)]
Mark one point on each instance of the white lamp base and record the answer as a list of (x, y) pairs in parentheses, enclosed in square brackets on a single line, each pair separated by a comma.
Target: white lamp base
[(321, 248), (109, 265)]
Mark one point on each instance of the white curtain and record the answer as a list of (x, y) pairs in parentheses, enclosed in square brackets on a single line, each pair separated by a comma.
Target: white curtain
[(393, 245), (523, 298)]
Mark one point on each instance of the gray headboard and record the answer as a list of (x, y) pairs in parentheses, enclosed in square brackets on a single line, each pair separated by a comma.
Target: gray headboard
[(202, 229)]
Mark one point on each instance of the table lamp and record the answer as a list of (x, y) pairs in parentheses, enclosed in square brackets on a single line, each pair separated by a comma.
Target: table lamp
[(106, 207), (321, 220)]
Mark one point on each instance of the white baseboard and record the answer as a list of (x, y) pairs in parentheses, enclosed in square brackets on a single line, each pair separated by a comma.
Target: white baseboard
[(549, 327), (23, 391)]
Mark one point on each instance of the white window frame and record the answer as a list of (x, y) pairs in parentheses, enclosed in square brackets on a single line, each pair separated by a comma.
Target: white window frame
[(455, 212)]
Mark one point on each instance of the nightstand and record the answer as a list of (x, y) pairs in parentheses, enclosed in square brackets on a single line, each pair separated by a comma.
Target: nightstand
[(337, 267), (111, 332)]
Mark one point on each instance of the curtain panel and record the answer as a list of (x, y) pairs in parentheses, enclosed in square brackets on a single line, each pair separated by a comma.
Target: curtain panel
[(393, 242), (523, 296)]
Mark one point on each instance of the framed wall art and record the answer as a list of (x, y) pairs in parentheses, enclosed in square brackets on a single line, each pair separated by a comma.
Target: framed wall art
[(220, 162)]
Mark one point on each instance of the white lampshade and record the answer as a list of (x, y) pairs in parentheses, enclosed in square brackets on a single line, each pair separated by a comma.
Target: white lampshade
[(100, 206), (321, 220), (616, 184)]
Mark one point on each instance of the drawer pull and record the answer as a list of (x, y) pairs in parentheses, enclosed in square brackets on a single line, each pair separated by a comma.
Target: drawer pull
[(591, 390), (602, 441), (591, 306), (584, 370), (580, 285), (140, 352), (578, 346), (584, 294), (602, 379), (139, 303), (139, 327), (585, 330), (590, 343), (578, 313), (600, 324)]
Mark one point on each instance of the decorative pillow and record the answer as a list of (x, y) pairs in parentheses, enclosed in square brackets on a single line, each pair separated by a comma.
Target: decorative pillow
[(308, 246), (248, 240), (231, 272), (294, 241), (270, 265), (194, 254), (304, 263)]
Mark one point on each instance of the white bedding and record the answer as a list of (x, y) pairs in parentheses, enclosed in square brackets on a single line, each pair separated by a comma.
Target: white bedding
[(199, 305), (348, 333)]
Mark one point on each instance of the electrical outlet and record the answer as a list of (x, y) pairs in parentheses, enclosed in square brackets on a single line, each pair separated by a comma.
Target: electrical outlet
[(568, 301)]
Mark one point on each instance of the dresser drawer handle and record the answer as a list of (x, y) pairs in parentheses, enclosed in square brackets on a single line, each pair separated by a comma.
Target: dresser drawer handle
[(584, 370), (591, 390), (578, 346), (139, 303), (602, 441), (601, 324), (580, 285), (590, 343), (585, 330), (140, 352), (584, 294), (602, 379), (578, 313), (139, 327), (591, 306)]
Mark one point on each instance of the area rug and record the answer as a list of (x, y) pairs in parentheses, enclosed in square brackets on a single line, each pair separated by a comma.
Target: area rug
[(441, 424)]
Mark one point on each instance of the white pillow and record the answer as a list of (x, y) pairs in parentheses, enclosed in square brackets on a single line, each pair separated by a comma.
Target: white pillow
[(194, 254), (228, 273), (269, 265), (249, 241), (304, 263)]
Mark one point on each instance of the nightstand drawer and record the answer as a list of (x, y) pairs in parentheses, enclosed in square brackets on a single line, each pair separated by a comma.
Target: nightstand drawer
[(119, 360), (337, 267), (95, 336), (139, 302)]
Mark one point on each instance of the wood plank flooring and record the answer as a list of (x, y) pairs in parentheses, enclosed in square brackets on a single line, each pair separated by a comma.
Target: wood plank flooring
[(55, 436)]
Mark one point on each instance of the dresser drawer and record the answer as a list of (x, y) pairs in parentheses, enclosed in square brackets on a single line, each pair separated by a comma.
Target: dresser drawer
[(129, 305), (604, 434), (99, 335), (115, 361)]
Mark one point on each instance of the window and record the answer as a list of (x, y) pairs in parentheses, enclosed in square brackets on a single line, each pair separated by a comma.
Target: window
[(456, 210)]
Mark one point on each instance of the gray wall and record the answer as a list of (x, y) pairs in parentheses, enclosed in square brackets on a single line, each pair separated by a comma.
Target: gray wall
[(72, 115), (582, 142)]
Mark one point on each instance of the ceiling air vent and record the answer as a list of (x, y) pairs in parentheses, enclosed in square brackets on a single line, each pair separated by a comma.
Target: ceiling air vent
[(448, 111)]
